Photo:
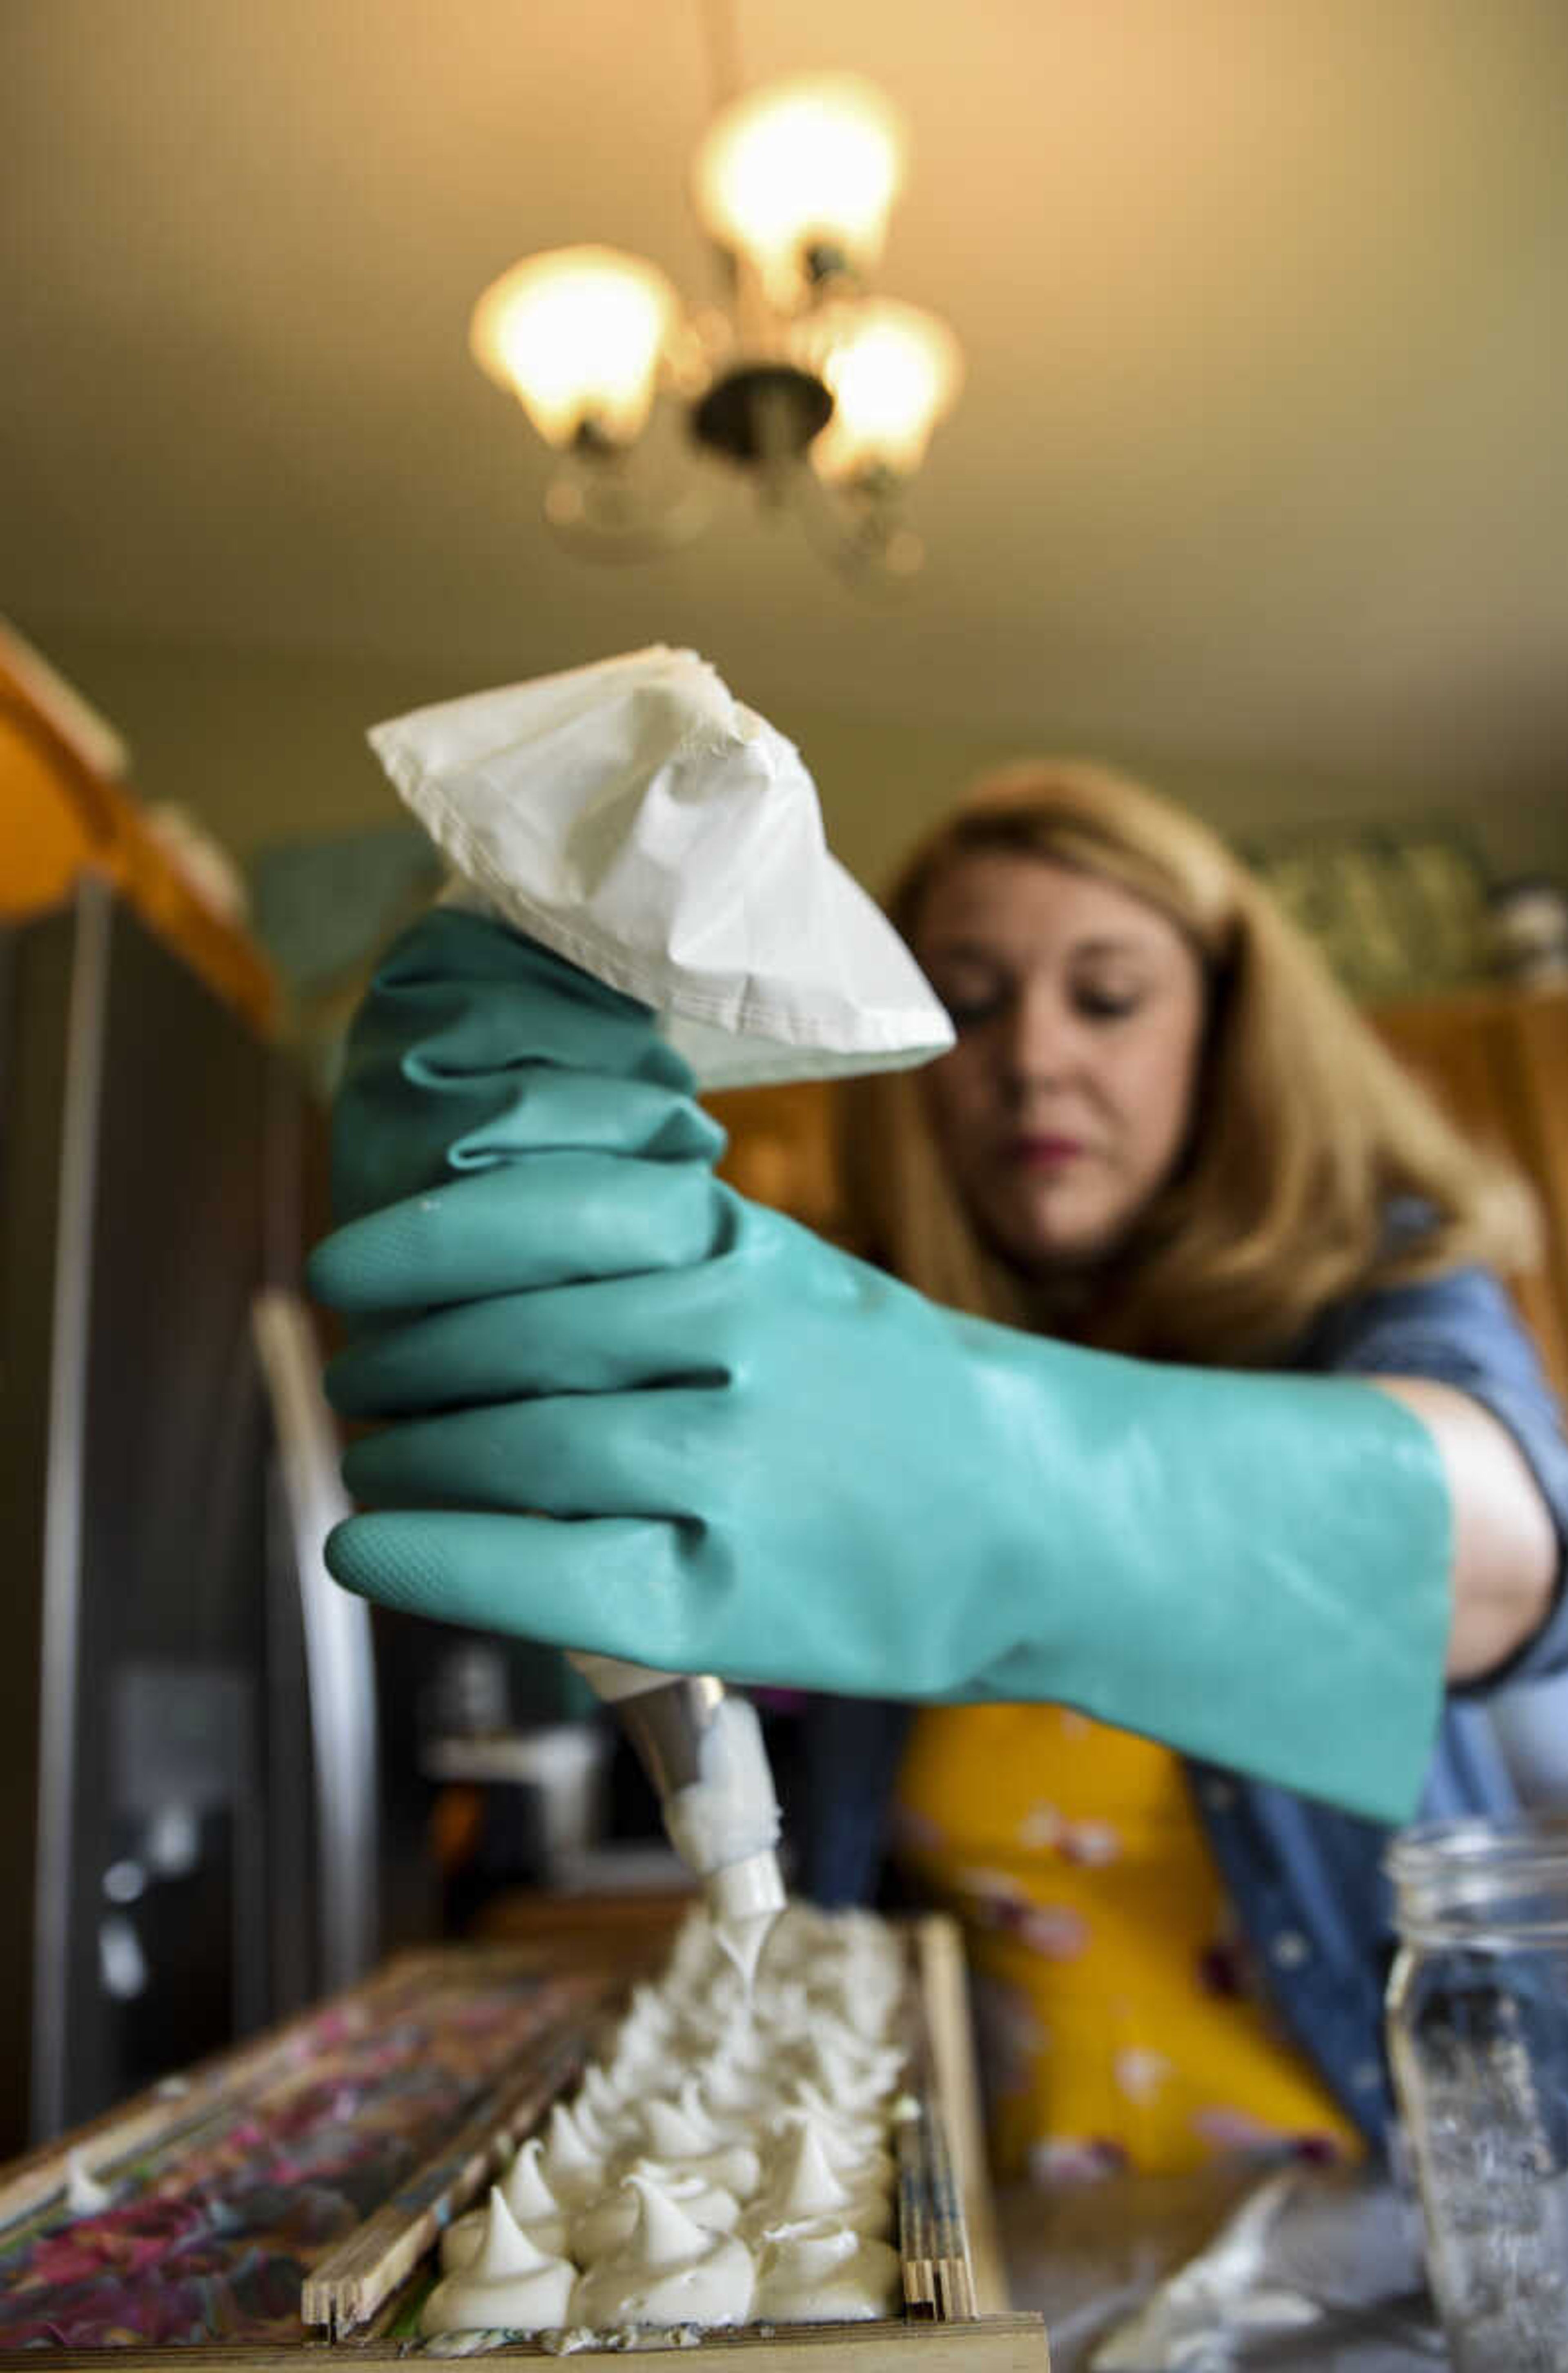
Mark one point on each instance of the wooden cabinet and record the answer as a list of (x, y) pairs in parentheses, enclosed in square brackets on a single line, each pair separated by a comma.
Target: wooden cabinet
[(1497, 1060), (782, 1149), (61, 817)]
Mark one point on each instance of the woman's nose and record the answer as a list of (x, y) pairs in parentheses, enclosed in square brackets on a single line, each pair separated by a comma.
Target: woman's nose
[(1041, 1041)]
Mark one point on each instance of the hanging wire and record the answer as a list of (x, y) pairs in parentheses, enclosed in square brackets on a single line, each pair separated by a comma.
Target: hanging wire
[(721, 41)]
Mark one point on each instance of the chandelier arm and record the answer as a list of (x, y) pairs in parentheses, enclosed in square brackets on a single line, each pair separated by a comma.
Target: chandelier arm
[(861, 536), (721, 41)]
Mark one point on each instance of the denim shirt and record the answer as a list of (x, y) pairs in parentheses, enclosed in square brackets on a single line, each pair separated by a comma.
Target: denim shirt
[(1305, 1880)]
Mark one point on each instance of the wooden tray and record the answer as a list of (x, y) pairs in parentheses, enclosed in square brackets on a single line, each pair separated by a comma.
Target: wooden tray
[(358, 2291)]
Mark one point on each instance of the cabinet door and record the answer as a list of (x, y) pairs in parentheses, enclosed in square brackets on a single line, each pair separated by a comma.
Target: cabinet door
[(782, 1149), (1499, 1066)]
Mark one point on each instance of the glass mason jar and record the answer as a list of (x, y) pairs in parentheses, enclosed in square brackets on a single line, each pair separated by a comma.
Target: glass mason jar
[(1477, 2039)]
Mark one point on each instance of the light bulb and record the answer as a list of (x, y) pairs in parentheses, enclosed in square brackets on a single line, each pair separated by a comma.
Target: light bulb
[(814, 162), (576, 334), (892, 371)]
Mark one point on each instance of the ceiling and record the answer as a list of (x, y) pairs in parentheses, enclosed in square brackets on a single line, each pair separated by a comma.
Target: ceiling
[(1265, 303)]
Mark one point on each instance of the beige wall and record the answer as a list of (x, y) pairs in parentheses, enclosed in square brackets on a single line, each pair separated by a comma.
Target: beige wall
[(264, 747)]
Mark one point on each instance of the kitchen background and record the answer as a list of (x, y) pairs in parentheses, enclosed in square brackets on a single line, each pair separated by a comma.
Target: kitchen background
[(1256, 483)]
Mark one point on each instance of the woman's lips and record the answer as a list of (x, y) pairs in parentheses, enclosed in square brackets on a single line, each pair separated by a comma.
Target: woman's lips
[(1045, 1151)]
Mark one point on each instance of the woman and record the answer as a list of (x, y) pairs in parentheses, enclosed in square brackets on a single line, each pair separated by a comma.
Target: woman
[(1163, 1130), (631, 1412)]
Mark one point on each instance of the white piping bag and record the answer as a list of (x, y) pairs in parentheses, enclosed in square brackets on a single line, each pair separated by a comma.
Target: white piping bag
[(638, 820)]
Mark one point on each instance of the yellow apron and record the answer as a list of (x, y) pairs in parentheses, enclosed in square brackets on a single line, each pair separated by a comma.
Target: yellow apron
[(1117, 2026)]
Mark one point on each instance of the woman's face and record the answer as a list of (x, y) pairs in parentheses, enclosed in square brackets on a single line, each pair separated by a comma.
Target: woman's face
[(1080, 1011)]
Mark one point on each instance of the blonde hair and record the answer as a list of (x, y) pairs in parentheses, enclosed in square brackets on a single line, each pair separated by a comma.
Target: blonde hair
[(1305, 1126)]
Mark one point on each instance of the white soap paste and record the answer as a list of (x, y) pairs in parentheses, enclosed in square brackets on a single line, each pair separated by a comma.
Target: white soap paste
[(806, 2192), (670, 2270), (510, 2284), (829, 2276), (605, 2099), (733, 2129), (856, 2164), (571, 2169), (533, 2207), (743, 1940), (607, 2224), (84, 2193), (694, 2107), (729, 1812), (669, 2131)]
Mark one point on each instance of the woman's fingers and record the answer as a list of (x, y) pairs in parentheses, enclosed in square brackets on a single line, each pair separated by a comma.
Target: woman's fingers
[(615, 1586), (391, 1149), (554, 1219), (477, 1044), (667, 1327), (540, 1109), (648, 1454), (465, 993), (406, 1127)]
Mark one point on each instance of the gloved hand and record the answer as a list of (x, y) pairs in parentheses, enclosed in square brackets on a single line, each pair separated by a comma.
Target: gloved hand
[(475, 1044), (777, 1464)]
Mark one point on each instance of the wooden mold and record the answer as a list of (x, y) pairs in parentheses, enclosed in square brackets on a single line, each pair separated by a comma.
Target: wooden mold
[(357, 2296)]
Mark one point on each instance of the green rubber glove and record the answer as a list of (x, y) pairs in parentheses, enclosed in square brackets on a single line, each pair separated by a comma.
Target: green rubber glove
[(475, 1044), (656, 1420)]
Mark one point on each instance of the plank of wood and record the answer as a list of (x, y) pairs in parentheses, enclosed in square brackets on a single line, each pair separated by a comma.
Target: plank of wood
[(185, 2102), (189, 2099), (937, 2278), (345, 2289), (938, 1949), (914, 2219), (1003, 2343)]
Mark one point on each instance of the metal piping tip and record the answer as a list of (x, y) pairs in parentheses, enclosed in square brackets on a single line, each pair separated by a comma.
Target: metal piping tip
[(704, 1757), (666, 1726)]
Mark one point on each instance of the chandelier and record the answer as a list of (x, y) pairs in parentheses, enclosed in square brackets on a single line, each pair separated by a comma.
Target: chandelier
[(823, 393)]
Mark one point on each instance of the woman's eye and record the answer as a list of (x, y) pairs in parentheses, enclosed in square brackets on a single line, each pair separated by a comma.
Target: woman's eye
[(968, 1012), (969, 1002), (970, 1008), (1108, 1004)]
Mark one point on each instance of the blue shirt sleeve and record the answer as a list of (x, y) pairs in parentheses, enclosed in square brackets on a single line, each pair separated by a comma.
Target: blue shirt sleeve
[(1462, 1329)]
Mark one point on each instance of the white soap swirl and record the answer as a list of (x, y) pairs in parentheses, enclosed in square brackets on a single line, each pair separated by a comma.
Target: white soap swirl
[(509, 2286), (731, 2158), (535, 2210), (670, 2270), (829, 2275), (572, 2168), (608, 2223)]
